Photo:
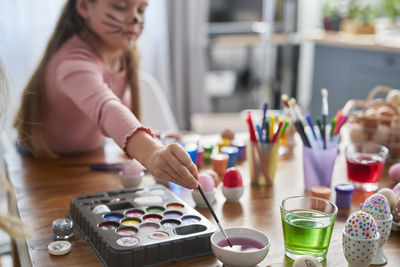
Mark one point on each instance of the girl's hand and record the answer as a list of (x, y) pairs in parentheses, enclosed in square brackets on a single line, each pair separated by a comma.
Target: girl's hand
[(172, 163)]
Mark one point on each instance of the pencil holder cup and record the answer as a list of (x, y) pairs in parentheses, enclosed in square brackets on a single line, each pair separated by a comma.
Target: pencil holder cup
[(318, 166), (384, 228), (359, 252), (262, 162)]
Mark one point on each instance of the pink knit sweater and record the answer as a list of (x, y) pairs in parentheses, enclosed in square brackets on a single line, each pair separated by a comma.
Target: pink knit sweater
[(85, 102)]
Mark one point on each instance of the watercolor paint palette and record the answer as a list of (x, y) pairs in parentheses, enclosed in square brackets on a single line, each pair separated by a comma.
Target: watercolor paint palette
[(145, 226)]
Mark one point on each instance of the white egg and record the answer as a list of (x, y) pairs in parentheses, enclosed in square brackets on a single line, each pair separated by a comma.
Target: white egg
[(306, 261), (382, 134), (394, 97), (357, 133)]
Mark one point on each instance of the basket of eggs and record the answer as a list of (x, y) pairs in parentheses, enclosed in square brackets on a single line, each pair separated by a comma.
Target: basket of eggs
[(376, 120)]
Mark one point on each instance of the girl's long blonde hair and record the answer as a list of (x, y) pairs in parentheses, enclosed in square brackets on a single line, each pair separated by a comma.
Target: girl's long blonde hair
[(8, 223), (29, 119)]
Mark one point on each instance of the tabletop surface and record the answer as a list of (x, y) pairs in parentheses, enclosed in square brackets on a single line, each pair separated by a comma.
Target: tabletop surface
[(44, 189)]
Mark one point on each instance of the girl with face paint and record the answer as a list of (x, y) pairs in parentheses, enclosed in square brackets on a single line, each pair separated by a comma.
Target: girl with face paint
[(78, 93)]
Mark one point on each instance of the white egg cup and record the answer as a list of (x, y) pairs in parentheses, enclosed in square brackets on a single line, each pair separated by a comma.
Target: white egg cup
[(131, 180), (384, 228), (231, 258), (199, 199), (232, 194), (359, 252)]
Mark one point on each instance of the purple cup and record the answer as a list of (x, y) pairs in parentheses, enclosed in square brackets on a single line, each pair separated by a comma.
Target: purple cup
[(318, 166)]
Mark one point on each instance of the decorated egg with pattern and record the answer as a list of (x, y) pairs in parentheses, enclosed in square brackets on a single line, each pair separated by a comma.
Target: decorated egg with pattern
[(377, 206), (361, 225)]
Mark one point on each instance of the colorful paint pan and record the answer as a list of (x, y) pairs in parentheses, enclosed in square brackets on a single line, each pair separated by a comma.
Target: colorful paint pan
[(135, 213), (158, 235), (190, 219), (174, 206), (113, 217), (128, 241), (152, 218), (170, 223), (147, 227), (131, 222), (155, 209), (127, 231), (172, 214), (108, 225)]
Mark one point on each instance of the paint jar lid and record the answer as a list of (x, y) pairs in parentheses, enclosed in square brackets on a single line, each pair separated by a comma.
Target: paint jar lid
[(321, 191), (208, 148), (238, 143), (58, 248), (101, 209), (230, 150), (219, 157), (344, 188)]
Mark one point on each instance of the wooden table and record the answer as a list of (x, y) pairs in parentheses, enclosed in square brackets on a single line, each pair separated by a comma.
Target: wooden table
[(45, 187)]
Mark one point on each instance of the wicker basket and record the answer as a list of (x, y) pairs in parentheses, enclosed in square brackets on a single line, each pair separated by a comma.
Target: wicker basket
[(377, 120)]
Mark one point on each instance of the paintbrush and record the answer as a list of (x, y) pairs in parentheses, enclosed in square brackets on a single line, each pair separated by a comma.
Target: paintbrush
[(215, 216), (265, 108), (325, 111), (298, 124)]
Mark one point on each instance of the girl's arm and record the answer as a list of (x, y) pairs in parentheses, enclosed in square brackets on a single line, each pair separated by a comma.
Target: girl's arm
[(170, 162), (82, 82)]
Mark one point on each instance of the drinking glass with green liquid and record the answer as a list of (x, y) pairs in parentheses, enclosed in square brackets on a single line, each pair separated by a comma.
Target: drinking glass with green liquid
[(307, 226)]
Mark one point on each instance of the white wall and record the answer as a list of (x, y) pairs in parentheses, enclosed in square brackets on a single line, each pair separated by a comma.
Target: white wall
[(26, 25)]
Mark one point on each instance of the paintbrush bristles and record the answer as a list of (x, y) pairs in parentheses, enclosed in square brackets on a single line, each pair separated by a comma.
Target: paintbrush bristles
[(325, 109), (285, 100), (292, 102), (324, 93)]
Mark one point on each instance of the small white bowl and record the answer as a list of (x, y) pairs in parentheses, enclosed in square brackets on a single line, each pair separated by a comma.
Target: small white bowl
[(199, 199), (233, 194), (131, 180), (240, 258)]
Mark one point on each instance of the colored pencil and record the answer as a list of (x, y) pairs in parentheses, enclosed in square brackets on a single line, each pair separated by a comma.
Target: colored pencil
[(325, 112), (275, 137), (310, 123), (265, 108)]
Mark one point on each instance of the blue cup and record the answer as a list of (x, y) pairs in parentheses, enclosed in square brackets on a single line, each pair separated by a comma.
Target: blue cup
[(192, 150), (232, 152)]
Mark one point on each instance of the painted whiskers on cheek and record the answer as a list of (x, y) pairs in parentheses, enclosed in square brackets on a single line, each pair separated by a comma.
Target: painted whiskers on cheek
[(116, 26)]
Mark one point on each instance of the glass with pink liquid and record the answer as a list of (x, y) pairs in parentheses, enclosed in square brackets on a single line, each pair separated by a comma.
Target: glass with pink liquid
[(365, 163)]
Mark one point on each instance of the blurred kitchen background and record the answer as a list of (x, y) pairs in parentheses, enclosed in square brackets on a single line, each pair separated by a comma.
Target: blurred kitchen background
[(224, 56)]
